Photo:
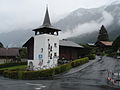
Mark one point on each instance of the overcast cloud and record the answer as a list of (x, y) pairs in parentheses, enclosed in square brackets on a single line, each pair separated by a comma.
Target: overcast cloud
[(18, 14), (107, 20)]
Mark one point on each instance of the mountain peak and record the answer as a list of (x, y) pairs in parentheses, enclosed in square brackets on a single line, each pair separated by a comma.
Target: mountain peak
[(113, 2)]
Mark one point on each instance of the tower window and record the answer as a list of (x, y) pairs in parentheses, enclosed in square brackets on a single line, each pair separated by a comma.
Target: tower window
[(48, 46), (51, 56), (55, 54), (55, 44), (41, 50), (51, 48)]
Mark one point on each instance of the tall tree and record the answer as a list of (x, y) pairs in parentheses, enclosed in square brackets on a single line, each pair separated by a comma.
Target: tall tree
[(1, 45), (116, 43), (103, 35)]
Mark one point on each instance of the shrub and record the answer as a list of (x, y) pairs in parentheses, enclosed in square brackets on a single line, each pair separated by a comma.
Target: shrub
[(11, 74), (28, 75), (63, 68), (79, 62), (1, 72), (47, 72), (91, 56)]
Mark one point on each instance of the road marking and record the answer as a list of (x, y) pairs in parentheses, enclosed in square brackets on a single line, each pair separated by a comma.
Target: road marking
[(41, 86), (34, 84), (38, 88)]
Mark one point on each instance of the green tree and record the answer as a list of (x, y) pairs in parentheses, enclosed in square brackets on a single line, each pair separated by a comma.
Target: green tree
[(23, 53), (1, 45), (116, 44), (103, 35), (88, 50)]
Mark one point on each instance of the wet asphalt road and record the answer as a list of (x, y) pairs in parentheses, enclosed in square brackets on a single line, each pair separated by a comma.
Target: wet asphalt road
[(90, 78)]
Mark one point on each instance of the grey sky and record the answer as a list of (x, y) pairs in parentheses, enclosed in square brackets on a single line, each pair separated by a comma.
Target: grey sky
[(16, 14)]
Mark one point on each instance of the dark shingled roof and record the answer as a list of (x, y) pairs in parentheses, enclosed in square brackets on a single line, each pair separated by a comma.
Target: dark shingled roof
[(68, 43), (9, 51), (31, 40)]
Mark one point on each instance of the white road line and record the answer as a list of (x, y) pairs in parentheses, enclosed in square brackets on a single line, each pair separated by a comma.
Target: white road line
[(34, 84), (38, 88), (38, 85)]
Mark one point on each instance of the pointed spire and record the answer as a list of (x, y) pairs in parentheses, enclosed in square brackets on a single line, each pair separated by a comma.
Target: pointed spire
[(46, 27), (47, 18)]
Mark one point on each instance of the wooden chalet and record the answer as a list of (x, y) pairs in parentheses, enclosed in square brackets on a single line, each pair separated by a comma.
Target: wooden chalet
[(104, 44), (8, 54), (69, 50)]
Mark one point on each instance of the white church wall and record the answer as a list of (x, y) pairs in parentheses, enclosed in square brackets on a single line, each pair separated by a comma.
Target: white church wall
[(46, 51)]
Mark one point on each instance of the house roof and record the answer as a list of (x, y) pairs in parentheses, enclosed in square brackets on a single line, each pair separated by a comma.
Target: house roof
[(68, 43), (31, 40), (63, 42), (9, 51), (106, 43)]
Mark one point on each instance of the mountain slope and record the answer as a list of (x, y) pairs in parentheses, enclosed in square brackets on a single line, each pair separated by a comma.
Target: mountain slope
[(90, 21)]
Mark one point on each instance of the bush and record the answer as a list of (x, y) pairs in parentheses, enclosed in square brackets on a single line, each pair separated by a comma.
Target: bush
[(28, 75), (47, 73), (79, 62), (12, 64), (1, 72), (63, 68), (91, 56), (11, 74)]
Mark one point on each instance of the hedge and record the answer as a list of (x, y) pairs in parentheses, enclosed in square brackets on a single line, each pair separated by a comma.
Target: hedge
[(1, 72), (44, 74), (12, 64), (11, 74), (62, 68), (91, 56), (79, 62)]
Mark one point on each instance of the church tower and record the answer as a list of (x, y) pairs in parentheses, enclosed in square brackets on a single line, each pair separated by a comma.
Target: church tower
[(46, 46), (46, 27)]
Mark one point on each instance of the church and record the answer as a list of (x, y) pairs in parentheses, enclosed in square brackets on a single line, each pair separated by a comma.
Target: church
[(45, 49)]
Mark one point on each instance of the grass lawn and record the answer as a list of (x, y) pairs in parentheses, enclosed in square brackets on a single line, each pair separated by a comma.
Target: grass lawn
[(20, 67)]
